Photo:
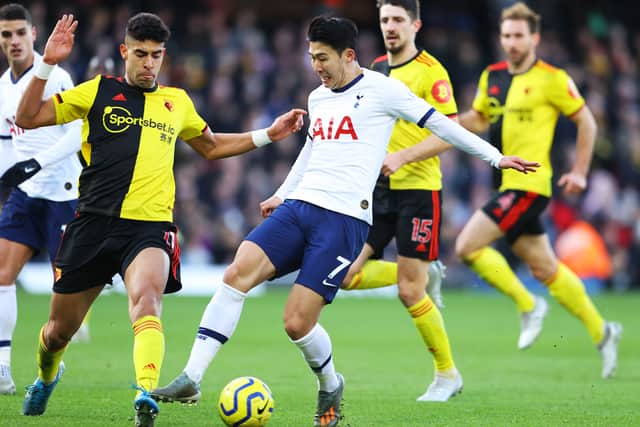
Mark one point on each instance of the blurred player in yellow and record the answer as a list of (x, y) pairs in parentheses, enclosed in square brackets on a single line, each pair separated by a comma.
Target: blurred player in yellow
[(519, 101), (407, 197)]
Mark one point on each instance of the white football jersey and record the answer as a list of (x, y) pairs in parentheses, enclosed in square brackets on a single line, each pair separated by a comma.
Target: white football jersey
[(58, 181), (347, 141)]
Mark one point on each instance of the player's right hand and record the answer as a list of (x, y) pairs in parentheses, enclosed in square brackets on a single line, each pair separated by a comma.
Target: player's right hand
[(60, 41), (268, 206), (515, 162), (20, 172)]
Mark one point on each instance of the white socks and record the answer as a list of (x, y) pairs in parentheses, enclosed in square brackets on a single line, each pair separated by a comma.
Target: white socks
[(216, 327), (316, 349), (8, 317)]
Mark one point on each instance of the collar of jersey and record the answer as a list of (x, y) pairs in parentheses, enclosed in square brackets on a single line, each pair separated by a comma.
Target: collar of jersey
[(21, 75), (141, 89), (391, 67), (348, 85)]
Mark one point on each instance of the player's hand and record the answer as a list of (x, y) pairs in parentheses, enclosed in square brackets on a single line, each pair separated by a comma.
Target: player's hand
[(392, 162), (286, 124), (20, 172), (515, 162), (60, 41), (268, 206), (572, 183)]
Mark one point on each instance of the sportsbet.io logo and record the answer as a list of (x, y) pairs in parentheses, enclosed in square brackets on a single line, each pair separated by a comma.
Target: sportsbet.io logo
[(116, 119)]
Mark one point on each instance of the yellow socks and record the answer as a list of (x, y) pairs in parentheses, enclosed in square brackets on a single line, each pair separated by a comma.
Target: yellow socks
[(491, 266), (375, 274), (148, 351), (48, 361), (428, 321), (567, 288)]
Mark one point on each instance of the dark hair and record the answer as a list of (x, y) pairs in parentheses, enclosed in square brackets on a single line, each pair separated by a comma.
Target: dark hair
[(15, 12), (411, 6), (147, 26), (339, 33)]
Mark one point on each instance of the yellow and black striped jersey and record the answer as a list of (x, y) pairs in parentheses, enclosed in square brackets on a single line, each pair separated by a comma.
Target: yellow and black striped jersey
[(523, 110), (128, 145), (428, 79)]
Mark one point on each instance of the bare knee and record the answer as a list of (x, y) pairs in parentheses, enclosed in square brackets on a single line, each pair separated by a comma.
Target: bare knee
[(464, 249), (8, 275), (411, 293), (296, 325), (144, 304), (57, 335), (543, 273)]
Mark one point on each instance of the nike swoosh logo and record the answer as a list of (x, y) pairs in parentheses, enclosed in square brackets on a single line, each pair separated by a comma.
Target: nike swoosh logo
[(324, 282), (29, 169), (261, 410)]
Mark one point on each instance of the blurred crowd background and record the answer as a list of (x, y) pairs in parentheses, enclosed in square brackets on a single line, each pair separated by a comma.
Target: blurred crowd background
[(245, 62)]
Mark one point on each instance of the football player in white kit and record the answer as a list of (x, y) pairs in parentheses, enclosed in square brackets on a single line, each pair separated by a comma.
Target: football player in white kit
[(44, 176), (318, 220)]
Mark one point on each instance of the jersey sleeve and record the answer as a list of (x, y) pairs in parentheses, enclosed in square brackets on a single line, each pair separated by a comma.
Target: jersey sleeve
[(401, 102), (193, 125), (480, 101), (439, 92), (564, 94), (75, 103)]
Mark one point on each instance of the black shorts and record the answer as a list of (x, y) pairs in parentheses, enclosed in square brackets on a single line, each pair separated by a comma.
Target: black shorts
[(412, 217), (517, 212), (96, 247)]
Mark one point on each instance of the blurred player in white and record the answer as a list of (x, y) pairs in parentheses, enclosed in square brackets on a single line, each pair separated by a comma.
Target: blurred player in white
[(45, 176), (323, 222)]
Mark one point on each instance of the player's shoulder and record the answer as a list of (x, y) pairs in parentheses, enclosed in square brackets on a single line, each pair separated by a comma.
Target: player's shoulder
[(498, 66), (426, 60), (545, 67)]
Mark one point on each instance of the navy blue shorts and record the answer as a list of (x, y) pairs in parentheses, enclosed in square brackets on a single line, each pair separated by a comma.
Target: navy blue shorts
[(319, 242), (35, 222)]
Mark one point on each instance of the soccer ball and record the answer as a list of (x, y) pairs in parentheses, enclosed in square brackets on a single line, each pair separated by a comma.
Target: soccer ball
[(246, 402)]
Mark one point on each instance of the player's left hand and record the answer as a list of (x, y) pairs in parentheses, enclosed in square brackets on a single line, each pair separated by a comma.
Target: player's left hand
[(268, 206), (286, 124), (573, 183), (20, 172), (392, 162), (515, 162)]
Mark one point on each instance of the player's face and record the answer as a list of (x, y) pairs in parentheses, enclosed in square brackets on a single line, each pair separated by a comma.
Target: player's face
[(398, 30), (329, 65), (517, 41), (142, 61), (16, 38)]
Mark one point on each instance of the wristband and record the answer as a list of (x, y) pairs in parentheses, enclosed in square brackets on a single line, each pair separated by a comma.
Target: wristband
[(260, 137), (44, 70)]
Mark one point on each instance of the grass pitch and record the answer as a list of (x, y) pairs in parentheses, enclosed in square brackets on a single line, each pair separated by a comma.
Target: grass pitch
[(556, 382)]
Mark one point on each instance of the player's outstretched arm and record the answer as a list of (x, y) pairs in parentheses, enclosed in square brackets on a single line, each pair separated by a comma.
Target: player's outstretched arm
[(219, 145), (32, 111), (515, 162)]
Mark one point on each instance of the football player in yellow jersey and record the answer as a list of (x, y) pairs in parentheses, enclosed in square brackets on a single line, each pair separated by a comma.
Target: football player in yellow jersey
[(407, 199), (519, 101), (124, 216)]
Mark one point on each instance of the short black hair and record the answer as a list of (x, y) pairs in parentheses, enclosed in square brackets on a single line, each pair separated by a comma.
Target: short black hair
[(147, 26), (15, 12), (411, 6), (339, 33)]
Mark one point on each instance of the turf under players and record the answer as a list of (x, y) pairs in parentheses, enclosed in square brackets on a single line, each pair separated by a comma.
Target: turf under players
[(319, 218), (124, 222), (519, 101), (407, 198)]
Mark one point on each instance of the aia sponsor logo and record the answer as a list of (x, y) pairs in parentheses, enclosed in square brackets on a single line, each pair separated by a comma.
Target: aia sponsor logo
[(333, 129)]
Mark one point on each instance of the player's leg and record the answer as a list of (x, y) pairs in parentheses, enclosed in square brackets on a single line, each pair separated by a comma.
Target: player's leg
[(569, 290), (265, 253), (13, 256), (21, 224), (337, 241), (65, 316), (472, 247)]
